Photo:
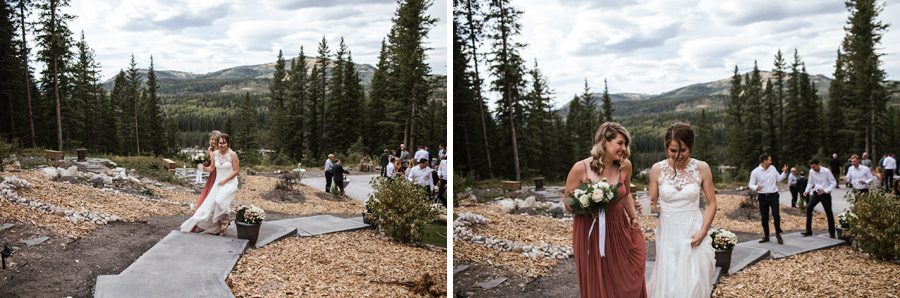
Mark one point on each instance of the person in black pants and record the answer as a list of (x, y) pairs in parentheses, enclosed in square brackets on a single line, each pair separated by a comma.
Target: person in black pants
[(801, 185), (384, 162), (329, 163), (338, 172), (792, 185), (763, 181), (821, 183)]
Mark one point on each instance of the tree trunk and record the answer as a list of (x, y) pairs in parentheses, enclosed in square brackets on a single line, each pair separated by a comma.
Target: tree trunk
[(55, 75), (137, 137), (509, 102), (27, 78), (487, 148)]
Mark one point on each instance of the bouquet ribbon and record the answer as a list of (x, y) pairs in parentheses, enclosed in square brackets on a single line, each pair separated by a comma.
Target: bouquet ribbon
[(600, 222)]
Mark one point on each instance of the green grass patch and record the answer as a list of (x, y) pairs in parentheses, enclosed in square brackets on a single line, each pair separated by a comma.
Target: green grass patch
[(147, 166), (435, 233)]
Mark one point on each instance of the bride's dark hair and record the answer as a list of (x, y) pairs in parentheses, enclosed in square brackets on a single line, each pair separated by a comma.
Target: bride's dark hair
[(607, 132), (682, 132)]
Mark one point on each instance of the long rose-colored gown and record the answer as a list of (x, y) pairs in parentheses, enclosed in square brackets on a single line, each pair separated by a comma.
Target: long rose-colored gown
[(206, 187), (621, 272)]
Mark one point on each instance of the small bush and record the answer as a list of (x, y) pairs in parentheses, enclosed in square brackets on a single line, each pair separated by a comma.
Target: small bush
[(286, 183), (400, 209), (876, 227)]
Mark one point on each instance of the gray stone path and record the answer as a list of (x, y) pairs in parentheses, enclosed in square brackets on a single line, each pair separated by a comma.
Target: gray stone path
[(794, 243), (181, 264), (196, 265), (358, 189)]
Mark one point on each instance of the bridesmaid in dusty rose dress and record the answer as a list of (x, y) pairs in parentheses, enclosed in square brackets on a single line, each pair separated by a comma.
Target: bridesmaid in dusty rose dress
[(213, 139), (617, 269)]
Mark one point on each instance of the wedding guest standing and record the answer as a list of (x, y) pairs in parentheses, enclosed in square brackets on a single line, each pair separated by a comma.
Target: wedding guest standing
[(421, 175), (792, 185), (442, 184), (890, 168), (384, 162), (390, 169), (821, 183), (762, 180), (338, 172), (329, 163), (859, 176), (865, 160)]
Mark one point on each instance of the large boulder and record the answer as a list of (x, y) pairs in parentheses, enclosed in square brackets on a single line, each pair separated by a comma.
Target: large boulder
[(507, 205), (527, 203), (50, 173)]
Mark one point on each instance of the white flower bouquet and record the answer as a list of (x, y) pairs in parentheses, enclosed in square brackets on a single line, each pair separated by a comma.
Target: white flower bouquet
[(591, 198), (250, 214), (198, 158), (723, 239)]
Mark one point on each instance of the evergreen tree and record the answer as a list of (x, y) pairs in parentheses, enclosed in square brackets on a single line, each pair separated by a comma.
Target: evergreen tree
[(55, 39), (246, 130), (864, 90), (736, 109), (297, 109), (119, 98), (335, 135), (317, 98), (539, 127), (278, 95), (508, 69), (378, 130), (607, 104), (704, 148), (778, 102), (173, 136), (23, 5), (11, 83), (409, 67), (85, 96), (793, 117), (350, 110), (132, 105), (839, 139), (151, 114), (470, 37)]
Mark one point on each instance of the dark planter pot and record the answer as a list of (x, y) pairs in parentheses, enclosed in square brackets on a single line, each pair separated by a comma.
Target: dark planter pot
[(723, 259), (538, 183), (248, 231), (840, 232)]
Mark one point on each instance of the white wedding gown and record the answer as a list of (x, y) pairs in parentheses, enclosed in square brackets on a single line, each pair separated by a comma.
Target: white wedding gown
[(681, 270), (218, 201)]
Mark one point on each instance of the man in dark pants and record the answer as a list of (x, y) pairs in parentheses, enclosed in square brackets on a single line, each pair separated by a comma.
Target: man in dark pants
[(792, 185), (338, 172), (329, 163), (801, 185), (762, 180), (821, 183), (384, 162)]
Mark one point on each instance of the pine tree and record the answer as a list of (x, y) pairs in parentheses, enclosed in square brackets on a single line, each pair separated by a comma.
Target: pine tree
[(350, 110), (794, 117), (317, 98), (865, 92), (246, 130), (133, 104), (378, 130), (838, 138), (472, 34), (778, 103), (335, 135), (539, 127), (23, 5), (409, 67), (10, 74), (85, 94), (704, 148), (278, 95), (55, 39), (153, 120), (508, 69), (736, 109), (297, 109), (173, 136), (607, 104), (120, 99)]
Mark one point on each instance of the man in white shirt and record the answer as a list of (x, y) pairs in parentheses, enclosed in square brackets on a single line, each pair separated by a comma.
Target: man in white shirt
[(821, 183), (329, 163), (390, 171), (792, 185), (421, 175), (421, 154), (859, 175), (762, 180), (890, 167)]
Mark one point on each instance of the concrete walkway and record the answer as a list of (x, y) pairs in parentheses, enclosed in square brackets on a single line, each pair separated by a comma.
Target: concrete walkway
[(358, 189), (196, 265)]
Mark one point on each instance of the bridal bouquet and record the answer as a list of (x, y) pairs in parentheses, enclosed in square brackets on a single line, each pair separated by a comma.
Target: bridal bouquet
[(250, 214), (198, 158), (591, 198), (723, 239)]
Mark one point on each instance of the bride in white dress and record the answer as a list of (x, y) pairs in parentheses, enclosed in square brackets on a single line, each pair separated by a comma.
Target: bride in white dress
[(213, 215), (685, 259)]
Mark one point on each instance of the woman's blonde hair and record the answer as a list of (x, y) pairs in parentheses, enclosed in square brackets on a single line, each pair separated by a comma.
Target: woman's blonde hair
[(214, 134), (607, 132)]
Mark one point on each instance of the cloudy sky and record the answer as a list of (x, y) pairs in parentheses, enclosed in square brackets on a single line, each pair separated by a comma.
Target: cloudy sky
[(656, 46), (205, 36)]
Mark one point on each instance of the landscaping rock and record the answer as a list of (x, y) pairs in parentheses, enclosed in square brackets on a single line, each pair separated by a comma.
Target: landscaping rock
[(507, 205)]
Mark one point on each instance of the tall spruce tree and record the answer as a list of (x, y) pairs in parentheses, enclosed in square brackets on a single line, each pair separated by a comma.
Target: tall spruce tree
[(378, 130), (85, 96), (607, 104), (152, 115), (470, 35), (55, 40), (704, 148), (317, 97), (735, 109), (245, 132), (335, 135), (278, 95), (539, 126), (297, 109), (838, 138), (865, 77), (778, 103), (507, 67), (794, 116), (350, 110), (132, 105), (23, 6)]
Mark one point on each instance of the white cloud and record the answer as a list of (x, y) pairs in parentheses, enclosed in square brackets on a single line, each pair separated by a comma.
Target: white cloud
[(656, 46)]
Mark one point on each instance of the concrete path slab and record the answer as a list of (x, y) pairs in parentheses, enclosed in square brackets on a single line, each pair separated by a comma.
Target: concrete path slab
[(192, 253), (35, 241), (269, 231), (358, 189), (5, 227), (838, 200), (744, 255), (203, 285), (320, 224), (492, 283), (795, 243)]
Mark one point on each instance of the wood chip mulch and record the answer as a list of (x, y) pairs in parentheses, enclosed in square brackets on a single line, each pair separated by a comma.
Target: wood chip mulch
[(253, 187), (347, 264), (835, 272)]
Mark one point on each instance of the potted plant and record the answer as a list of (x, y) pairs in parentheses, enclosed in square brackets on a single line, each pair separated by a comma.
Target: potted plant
[(248, 220), (844, 220), (723, 241)]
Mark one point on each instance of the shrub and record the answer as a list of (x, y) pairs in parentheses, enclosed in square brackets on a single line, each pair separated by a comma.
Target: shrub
[(400, 209), (876, 227), (286, 183)]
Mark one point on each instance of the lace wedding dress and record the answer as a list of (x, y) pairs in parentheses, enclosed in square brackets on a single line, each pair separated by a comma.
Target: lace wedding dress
[(681, 270), (217, 204)]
